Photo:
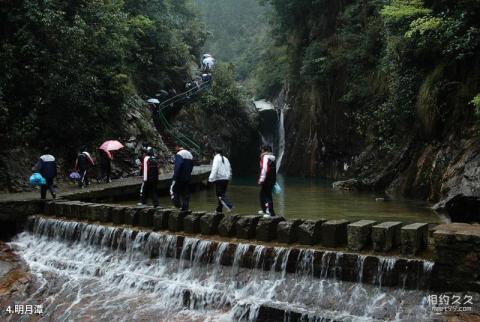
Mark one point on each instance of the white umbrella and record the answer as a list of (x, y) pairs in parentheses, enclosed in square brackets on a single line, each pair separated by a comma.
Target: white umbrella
[(153, 101)]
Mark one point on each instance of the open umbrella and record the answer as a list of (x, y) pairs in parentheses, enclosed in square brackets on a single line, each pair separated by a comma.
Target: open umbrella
[(111, 145), (153, 100)]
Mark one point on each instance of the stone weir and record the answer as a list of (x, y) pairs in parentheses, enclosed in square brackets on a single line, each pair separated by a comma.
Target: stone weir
[(391, 244)]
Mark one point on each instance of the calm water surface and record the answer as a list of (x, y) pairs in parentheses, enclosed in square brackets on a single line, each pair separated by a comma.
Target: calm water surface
[(310, 199)]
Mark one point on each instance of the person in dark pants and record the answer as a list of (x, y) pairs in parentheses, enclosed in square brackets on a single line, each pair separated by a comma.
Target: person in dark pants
[(83, 165), (182, 176), (267, 179), (150, 178), (47, 167), (105, 165), (220, 175)]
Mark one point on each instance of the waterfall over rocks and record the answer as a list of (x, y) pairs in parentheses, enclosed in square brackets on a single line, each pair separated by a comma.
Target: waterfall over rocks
[(87, 270)]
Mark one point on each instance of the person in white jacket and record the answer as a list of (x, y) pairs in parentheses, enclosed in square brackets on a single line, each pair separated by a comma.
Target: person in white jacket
[(221, 175)]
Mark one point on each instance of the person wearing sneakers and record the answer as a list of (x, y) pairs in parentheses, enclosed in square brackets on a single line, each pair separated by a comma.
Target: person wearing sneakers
[(267, 179), (150, 178), (220, 175)]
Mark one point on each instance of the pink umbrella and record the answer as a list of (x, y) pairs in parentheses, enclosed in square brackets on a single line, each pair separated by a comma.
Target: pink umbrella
[(111, 145)]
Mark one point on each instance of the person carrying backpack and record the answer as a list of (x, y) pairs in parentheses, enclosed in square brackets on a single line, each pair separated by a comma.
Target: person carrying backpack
[(47, 167), (267, 180), (150, 178), (220, 175), (83, 164)]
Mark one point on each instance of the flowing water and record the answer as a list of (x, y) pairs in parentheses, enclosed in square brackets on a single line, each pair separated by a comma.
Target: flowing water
[(91, 272), (310, 199)]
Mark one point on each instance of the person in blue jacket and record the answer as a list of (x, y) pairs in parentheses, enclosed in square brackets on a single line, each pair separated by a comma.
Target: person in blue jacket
[(47, 167), (182, 176)]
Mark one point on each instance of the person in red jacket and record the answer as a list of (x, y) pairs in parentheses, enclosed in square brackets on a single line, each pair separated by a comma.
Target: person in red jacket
[(150, 178), (267, 179)]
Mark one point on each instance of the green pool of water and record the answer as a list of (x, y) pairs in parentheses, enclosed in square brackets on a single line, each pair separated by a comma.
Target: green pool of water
[(310, 199)]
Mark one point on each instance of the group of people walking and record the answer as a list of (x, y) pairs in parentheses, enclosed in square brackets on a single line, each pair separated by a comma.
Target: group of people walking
[(220, 176)]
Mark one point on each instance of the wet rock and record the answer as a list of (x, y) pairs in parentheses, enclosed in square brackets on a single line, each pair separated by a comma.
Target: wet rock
[(160, 219), (131, 216), (246, 226), (209, 223), (145, 217), (461, 208), (334, 233), (227, 226), (386, 236), (176, 220), (414, 238), (359, 234), (105, 213), (348, 185), (92, 212), (266, 229), (118, 215), (309, 232), (287, 231), (191, 223)]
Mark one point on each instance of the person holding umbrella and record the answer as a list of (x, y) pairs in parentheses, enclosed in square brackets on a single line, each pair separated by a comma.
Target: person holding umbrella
[(106, 158)]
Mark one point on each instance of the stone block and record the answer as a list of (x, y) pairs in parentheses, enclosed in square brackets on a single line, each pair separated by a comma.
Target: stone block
[(145, 217), (160, 219), (176, 220), (227, 226), (359, 234), (118, 215), (92, 212), (414, 238), (49, 208), (334, 233), (209, 223), (310, 231), (386, 236), (246, 226), (191, 222), (287, 231), (104, 213), (131, 216), (266, 229)]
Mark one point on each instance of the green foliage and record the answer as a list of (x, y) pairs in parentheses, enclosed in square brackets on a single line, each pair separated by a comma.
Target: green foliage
[(476, 104), (68, 67)]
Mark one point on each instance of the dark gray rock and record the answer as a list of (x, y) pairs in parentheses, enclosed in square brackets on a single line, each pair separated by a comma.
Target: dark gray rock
[(160, 219), (118, 215), (191, 222), (246, 226), (209, 223), (334, 233), (359, 234), (309, 232), (287, 231), (145, 217), (176, 220), (227, 226), (132, 216), (348, 185), (266, 229), (414, 238), (386, 236)]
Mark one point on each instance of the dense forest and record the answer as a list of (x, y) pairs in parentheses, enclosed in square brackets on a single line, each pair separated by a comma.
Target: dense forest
[(383, 92)]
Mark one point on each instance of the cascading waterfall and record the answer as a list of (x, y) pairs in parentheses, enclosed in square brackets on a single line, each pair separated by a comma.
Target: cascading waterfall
[(86, 271)]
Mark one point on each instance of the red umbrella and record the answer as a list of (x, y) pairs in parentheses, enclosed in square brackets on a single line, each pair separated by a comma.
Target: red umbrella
[(111, 145)]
